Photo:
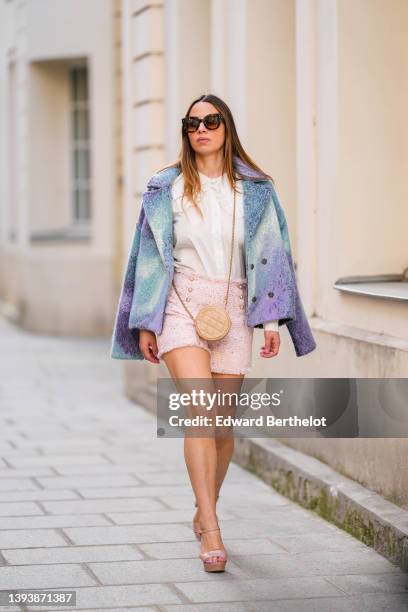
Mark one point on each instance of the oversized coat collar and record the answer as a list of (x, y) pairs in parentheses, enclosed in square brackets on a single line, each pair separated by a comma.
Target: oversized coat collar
[(157, 204)]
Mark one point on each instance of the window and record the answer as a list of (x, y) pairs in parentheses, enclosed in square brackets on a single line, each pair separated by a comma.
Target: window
[(80, 146)]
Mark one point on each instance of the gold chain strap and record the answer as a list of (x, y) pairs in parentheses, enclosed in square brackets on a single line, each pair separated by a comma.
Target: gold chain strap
[(230, 266)]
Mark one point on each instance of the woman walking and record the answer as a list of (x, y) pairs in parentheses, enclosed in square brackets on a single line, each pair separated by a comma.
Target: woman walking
[(210, 261)]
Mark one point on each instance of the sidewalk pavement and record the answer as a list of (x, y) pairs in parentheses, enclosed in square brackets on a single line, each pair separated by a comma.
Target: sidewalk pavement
[(92, 500)]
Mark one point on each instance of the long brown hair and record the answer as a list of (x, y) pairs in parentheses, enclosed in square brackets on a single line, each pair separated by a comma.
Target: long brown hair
[(232, 147)]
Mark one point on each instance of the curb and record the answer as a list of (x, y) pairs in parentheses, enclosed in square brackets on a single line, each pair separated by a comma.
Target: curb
[(316, 486)]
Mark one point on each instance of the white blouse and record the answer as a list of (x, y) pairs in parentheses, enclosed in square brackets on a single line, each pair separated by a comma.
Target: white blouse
[(203, 245)]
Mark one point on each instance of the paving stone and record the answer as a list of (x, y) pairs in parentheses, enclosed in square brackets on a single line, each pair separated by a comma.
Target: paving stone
[(62, 444), (54, 460), (316, 542), (123, 506), (58, 520), (244, 529), (365, 603), (365, 561), (133, 572), (71, 554), (38, 495), (268, 509), (19, 508), (129, 535), (252, 590), (16, 484), (4, 447), (44, 577), (78, 482), (171, 477), (136, 491), (170, 516), (255, 546), (329, 564), (108, 469), (164, 478), (227, 501), (101, 597), (23, 538), (354, 584), (9, 472), (278, 565)]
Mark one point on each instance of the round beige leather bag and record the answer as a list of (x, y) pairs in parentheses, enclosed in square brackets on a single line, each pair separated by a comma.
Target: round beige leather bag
[(213, 322)]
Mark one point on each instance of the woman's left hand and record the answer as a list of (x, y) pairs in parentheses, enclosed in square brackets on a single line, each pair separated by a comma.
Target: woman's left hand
[(271, 345)]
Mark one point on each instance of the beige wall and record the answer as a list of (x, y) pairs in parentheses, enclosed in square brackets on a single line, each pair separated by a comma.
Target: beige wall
[(370, 216), (59, 285)]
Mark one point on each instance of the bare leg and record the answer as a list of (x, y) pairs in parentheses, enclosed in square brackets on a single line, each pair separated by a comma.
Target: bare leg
[(207, 459), (200, 452), (224, 445)]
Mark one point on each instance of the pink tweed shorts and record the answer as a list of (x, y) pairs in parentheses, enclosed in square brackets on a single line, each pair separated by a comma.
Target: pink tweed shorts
[(230, 355)]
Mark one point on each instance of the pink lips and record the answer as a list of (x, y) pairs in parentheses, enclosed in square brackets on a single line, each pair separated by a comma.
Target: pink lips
[(203, 140)]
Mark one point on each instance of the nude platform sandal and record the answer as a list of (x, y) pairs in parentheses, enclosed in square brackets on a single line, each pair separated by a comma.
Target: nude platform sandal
[(196, 524), (213, 566)]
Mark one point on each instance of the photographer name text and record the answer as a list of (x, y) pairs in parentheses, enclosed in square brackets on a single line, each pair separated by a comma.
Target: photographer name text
[(259, 421)]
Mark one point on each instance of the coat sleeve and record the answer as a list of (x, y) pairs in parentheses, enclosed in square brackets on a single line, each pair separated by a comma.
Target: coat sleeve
[(125, 341), (299, 327)]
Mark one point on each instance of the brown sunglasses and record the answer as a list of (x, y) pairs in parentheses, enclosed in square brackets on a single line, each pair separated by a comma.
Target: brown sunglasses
[(211, 122)]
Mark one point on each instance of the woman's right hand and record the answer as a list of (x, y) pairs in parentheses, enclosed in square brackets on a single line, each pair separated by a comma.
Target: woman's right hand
[(148, 345)]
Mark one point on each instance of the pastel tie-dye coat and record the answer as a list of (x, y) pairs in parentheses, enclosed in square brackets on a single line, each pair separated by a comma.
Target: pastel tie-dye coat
[(272, 287)]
